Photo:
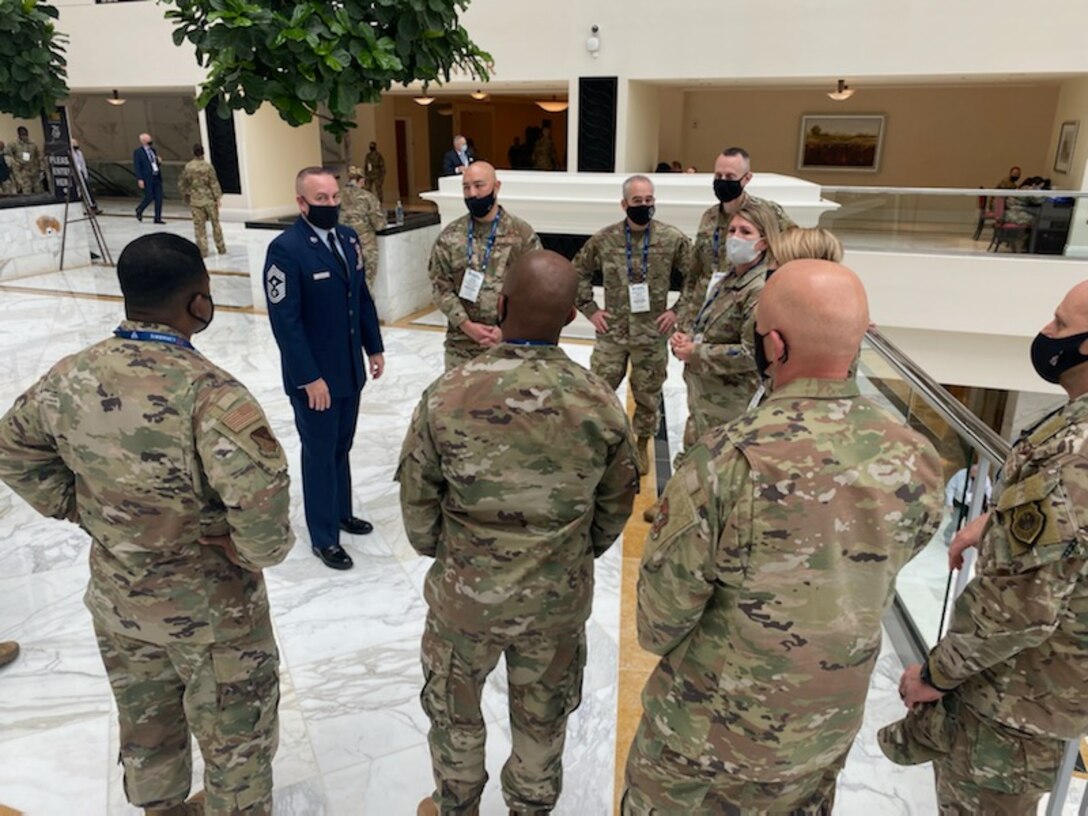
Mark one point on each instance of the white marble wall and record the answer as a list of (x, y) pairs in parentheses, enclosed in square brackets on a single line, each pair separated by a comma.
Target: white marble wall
[(402, 286), (30, 240)]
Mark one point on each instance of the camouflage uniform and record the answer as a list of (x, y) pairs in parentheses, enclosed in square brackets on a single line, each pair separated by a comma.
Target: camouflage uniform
[(1016, 652), (200, 186), (633, 336), (449, 258), (544, 157), (374, 174), (148, 446), (363, 213), (704, 263), (27, 166), (7, 179), (721, 372), (771, 561), (517, 471)]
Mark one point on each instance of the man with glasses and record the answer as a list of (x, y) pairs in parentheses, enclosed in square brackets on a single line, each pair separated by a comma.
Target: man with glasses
[(636, 258)]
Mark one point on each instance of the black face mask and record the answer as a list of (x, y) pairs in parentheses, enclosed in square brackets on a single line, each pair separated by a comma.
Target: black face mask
[(323, 216), (150, 144), (640, 213), (195, 316), (479, 207), (1014, 178), (373, 147), (728, 189), (763, 365), (1052, 357)]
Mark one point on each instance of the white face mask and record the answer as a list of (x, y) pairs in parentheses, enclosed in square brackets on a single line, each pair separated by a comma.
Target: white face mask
[(739, 251)]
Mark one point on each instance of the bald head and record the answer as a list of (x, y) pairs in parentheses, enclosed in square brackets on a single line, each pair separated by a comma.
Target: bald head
[(480, 170), (816, 313), (538, 296), (145, 138)]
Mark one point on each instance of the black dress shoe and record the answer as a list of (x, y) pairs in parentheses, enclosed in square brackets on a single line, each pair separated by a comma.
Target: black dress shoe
[(139, 216), (356, 526), (159, 221), (334, 557)]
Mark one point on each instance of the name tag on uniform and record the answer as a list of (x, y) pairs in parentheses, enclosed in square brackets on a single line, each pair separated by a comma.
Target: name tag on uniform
[(640, 297), (471, 285), (322, 275), (26, 156), (715, 279)]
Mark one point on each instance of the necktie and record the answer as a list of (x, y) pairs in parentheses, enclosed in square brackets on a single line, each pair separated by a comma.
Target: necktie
[(336, 253)]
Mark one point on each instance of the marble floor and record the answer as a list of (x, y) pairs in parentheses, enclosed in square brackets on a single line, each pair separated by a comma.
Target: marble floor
[(353, 736)]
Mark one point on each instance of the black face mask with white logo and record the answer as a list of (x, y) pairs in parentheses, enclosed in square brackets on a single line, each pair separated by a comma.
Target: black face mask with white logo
[(1052, 356)]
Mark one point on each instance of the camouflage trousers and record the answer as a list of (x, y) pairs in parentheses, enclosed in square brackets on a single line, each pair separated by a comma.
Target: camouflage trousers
[(202, 214), (27, 180), (660, 782), (375, 186), (460, 348), (7, 187), (714, 401), (544, 676), (224, 694), (981, 766), (649, 364)]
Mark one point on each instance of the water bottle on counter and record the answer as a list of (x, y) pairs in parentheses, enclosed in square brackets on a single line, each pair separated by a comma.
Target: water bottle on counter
[(400, 214)]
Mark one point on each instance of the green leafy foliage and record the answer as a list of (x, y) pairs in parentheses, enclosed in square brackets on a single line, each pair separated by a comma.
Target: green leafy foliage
[(32, 63), (300, 56)]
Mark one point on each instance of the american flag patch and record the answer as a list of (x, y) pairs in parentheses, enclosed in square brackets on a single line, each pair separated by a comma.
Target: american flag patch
[(241, 417)]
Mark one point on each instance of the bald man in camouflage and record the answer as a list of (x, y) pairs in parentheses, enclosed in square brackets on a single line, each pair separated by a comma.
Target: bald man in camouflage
[(771, 561), (1004, 689), (518, 470)]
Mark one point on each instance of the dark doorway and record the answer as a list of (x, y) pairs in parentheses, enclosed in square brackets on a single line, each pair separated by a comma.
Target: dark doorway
[(401, 126), (441, 140)]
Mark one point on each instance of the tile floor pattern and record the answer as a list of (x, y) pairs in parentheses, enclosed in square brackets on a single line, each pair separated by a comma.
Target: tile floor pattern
[(353, 737)]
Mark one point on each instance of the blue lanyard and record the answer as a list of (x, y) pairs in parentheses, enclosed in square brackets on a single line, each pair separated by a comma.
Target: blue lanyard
[(645, 254), (698, 326), (529, 343), (490, 241), (717, 247), (157, 337)]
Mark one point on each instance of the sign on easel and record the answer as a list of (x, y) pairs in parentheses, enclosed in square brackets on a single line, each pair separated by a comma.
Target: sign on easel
[(58, 145)]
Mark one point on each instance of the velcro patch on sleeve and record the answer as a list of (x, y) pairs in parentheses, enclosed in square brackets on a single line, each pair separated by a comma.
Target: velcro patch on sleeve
[(240, 418)]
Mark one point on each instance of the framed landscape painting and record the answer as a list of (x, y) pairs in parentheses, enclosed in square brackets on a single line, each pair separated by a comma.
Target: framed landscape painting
[(831, 142), (1067, 141)]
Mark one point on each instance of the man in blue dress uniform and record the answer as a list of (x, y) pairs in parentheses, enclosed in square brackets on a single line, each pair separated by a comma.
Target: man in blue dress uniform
[(323, 318)]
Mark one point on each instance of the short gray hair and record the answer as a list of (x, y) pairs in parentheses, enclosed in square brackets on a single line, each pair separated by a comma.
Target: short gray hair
[(631, 180), (306, 172)]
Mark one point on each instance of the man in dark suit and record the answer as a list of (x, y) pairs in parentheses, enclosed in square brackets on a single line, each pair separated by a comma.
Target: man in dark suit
[(455, 161), (148, 177), (323, 318)]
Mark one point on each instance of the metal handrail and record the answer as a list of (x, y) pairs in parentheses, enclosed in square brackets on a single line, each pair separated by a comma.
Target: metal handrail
[(980, 435), (956, 191)]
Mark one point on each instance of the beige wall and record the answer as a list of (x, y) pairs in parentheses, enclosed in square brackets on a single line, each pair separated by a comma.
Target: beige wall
[(1072, 106), (270, 153), (639, 142), (933, 137)]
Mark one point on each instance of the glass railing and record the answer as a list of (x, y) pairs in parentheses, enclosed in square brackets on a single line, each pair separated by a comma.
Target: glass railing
[(1044, 223), (972, 454)]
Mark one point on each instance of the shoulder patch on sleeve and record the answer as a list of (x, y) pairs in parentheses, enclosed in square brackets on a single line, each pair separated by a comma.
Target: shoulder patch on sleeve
[(240, 418), (275, 284)]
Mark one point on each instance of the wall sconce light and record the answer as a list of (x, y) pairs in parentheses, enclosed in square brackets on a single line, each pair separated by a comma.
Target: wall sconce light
[(424, 100), (116, 99), (844, 92), (479, 95), (593, 44)]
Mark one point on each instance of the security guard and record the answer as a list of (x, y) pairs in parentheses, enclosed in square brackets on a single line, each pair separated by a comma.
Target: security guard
[(323, 318)]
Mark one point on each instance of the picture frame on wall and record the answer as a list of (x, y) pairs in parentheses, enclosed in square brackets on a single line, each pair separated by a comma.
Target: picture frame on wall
[(846, 143), (1067, 143)]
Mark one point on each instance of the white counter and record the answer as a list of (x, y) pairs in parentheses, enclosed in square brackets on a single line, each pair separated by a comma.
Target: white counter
[(30, 239)]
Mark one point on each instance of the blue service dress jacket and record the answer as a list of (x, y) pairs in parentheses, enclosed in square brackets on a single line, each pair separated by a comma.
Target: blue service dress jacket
[(322, 318)]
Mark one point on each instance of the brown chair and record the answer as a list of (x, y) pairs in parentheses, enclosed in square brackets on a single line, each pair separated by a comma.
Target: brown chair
[(985, 211), (1006, 232)]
